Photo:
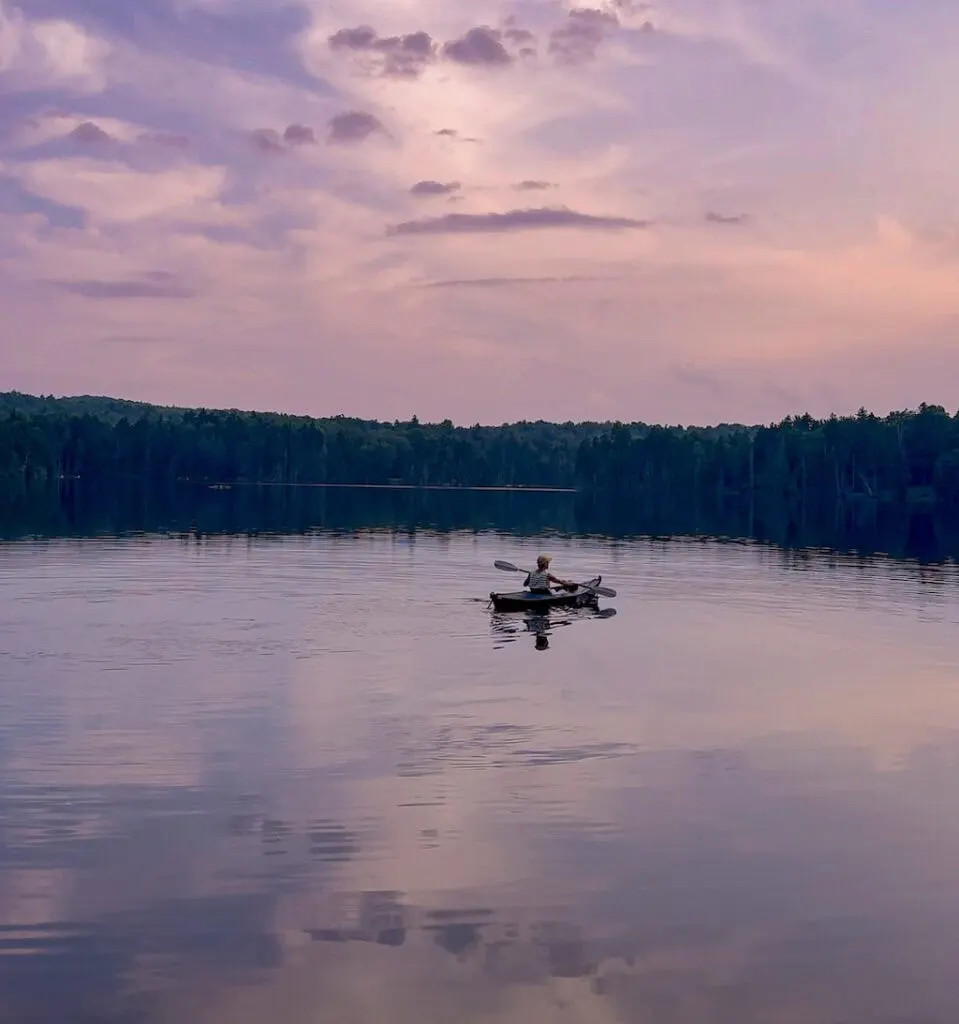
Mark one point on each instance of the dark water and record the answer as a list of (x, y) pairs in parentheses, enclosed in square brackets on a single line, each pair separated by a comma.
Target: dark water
[(310, 777), (924, 534)]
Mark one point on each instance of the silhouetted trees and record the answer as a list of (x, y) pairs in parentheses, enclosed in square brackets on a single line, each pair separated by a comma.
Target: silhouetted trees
[(44, 439), (905, 456), (801, 462)]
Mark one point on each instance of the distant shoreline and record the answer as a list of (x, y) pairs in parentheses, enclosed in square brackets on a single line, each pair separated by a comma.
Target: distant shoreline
[(854, 465), (515, 488)]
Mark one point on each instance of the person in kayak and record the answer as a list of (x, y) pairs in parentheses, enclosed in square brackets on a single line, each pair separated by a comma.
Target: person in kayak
[(539, 580)]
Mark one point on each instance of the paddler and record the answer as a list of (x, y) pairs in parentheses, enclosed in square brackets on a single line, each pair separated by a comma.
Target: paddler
[(539, 580)]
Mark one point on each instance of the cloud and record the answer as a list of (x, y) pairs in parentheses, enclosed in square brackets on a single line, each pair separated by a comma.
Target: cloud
[(579, 39), (111, 192), (511, 282), (401, 56), (251, 38), (722, 218), (434, 188), (512, 220), (729, 108), (361, 38), (16, 199), (50, 53), (150, 285), (171, 140), (408, 54), (90, 134), (266, 140), (452, 133), (481, 46), (520, 36), (299, 135), (353, 126)]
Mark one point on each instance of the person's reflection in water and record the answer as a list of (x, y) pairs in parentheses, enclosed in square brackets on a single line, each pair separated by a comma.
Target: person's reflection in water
[(540, 626), (505, 625)]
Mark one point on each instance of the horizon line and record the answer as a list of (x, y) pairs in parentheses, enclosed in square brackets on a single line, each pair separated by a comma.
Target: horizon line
[(736, 424)]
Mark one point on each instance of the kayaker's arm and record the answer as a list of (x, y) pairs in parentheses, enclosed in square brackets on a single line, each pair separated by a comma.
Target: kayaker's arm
[(558, 581)]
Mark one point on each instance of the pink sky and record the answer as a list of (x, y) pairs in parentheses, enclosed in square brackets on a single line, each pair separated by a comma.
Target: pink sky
[(687, 211)]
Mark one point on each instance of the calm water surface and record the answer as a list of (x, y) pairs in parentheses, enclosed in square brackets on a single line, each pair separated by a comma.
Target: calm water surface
[(314, 779)]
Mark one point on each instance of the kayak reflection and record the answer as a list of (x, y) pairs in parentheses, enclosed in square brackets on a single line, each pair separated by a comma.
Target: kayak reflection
[(508, 627)]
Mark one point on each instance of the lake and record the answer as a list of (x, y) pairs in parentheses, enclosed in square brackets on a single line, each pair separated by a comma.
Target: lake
[(302, 773)]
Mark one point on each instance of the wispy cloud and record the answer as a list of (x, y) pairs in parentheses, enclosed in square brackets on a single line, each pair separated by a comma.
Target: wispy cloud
[(513, 220), (726, 218), (150, 285), (514, 282), (168, 139), (434, 188)]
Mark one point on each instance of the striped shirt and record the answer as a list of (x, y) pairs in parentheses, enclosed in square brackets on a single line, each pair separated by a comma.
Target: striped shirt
[(538, 579)]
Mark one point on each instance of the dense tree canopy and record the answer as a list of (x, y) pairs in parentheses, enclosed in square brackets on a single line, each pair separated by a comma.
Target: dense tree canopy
[(905, 456)]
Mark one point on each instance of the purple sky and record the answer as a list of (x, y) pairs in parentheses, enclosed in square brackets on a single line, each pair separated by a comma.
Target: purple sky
[(687, 211)]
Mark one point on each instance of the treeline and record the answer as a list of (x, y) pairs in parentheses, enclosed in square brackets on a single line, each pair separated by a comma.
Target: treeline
[(803, 462), (903, 457), (45, 439)]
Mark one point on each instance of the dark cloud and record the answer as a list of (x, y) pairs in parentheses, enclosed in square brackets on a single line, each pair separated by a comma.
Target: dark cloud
[(353, 126), (90, 134), (266, 140), (169, 139), (533, 185), (158, 284), (512, 220), (406, 56), (722, 218), (299, 135), (435, 188), (578, 40), (480, 46), (361, 38), (400, 56)]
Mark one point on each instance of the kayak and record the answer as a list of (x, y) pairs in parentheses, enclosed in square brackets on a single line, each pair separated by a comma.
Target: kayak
[(525, 600)]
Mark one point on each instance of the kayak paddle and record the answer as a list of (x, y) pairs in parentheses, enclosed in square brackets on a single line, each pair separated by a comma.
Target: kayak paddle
[(509, 567)]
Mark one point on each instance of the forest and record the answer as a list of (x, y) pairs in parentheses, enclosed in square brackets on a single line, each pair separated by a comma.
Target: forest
[(908, 457)]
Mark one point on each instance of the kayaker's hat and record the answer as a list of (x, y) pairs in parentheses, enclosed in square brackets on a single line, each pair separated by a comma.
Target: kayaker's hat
[(543, 560)]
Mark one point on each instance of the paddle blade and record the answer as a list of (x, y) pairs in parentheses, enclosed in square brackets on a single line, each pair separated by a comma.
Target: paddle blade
[(506, 566), (605, 591)]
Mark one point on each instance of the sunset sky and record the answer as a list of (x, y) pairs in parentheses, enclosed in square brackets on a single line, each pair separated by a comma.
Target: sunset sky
[(687, 211)]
